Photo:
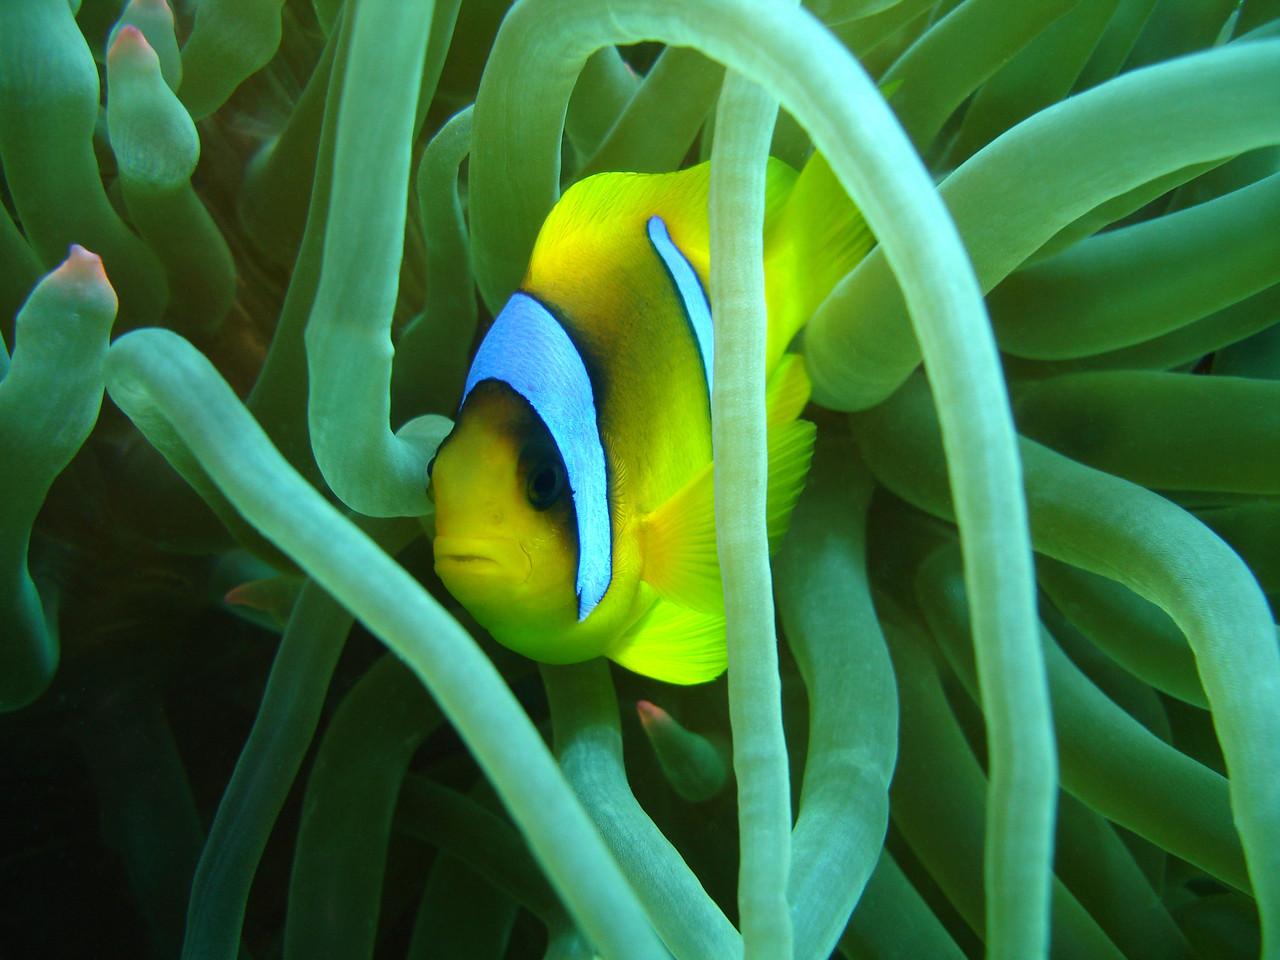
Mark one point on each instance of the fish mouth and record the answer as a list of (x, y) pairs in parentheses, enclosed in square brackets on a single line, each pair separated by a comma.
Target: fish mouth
[(491, 557)]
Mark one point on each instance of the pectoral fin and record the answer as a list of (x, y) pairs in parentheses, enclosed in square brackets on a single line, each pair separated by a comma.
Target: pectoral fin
[(678, 541), (816, 238), (679, 538)]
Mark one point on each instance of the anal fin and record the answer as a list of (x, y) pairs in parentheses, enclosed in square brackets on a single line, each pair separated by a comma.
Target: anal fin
[(679, 547), (679, 538), (674, 644)]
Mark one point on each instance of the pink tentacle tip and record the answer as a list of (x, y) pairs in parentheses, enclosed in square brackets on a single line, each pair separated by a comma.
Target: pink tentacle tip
[(78, 252), (130, 45), (241, 596), (651, 715), (84, 269), (83, 265)]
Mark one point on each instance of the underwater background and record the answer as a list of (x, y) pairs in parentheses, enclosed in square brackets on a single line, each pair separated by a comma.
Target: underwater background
[(208, 750)]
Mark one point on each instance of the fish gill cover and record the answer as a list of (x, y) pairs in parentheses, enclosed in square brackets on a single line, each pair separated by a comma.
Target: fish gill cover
[(1023, 698)]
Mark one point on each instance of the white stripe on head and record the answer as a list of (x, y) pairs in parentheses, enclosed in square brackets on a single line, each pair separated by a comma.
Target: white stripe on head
[(529, 350)]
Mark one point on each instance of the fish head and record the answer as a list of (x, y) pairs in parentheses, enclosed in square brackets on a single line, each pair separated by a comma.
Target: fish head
[(506, 543)]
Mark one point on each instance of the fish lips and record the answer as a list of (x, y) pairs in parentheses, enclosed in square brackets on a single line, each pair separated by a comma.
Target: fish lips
[(482, 558)]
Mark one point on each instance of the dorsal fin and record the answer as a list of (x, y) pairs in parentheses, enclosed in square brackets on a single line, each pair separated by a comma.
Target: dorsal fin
[(816, 238), (679, 198), (814, 235), (583, 225), (679, 538), (581, 232)]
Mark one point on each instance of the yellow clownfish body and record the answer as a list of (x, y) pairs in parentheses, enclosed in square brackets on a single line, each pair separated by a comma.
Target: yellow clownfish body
[(574, 505)]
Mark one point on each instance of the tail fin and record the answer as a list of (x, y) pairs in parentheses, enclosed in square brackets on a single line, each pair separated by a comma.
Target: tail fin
[(816, 237)]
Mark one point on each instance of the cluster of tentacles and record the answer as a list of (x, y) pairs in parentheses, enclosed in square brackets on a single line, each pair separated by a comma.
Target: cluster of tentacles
[(1026, 699)]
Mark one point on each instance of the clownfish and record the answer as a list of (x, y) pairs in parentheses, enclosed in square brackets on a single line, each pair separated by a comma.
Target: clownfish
[(573, 498)]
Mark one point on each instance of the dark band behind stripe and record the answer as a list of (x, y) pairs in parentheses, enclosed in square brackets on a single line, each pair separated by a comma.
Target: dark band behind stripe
[(528, 349), (690, 289)]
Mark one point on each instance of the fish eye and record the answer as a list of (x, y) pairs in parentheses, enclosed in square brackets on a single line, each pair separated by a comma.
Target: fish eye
[(545, 483)]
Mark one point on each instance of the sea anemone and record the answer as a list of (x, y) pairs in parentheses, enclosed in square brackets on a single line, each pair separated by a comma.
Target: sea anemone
[(1027, 696)]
